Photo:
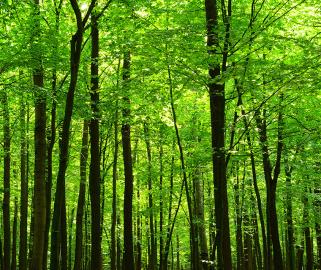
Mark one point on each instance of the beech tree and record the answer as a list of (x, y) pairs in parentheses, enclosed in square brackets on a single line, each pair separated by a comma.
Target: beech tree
[(160, 135)]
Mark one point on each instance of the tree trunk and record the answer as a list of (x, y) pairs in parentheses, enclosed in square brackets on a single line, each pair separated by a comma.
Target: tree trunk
[(255, 185), (59, 210), (161, 205), (152, 255), (289, 220), (14, 237), (113, 248), (239, 221), (81, 198), (71, 221), (271, 184), (201, 220), (51, 138), (23, 189), (217, 108), (307, 233), (94, 174), (6, 182), (40, 152), (128, 259)]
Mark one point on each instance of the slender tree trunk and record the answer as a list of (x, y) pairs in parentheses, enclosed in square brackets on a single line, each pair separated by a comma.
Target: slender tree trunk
[(289, 220), (6, 182), (81, 198), (128, 259), (14, 237), (317, 216), (239, 221), (201, 219), (138, 262), (168, 239), (152, 262), (217, 108), (161, 205), (71, 221), (318, 236), (23, 189), (248, 256), (307, 233), (178, 263), (59, 210), (299, 255), (255, 185), (40, 153), (119, 250), (1, 255), (193, 239), (271, 184), (113, 251), (94, 174), (51, 138)]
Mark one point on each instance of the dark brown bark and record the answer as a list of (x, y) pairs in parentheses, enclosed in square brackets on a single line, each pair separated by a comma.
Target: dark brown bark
[(40, 151), (128, 258), (271, 184), (168, 239), (57, 220), (307, 233), (94, 174), (290, 241), (71, 222), (153, 252), (161, 204), (81, 198), (14, 237), (217, 108), (255, 185), (1, 255), (51, 138), (23, 189), (113, 248), (138, 244), (6, 182)]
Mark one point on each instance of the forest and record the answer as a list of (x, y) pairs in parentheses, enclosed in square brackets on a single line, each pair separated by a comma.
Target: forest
[(160, 135)]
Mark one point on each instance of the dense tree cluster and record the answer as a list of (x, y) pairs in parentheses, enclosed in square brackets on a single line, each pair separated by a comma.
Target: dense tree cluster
[(160, 134)]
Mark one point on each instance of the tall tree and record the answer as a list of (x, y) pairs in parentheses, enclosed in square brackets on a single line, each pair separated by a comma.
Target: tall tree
[(217, 108), (81, 198), (6, 181), (23, 188), (40, 148), (128, 258), (94, 174)]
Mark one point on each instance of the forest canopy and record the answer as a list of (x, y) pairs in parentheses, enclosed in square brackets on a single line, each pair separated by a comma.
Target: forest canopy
[(164, 134)]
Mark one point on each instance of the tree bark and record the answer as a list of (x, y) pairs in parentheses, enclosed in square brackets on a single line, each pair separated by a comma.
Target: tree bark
[(14, 237), (217, 108), (59, 209), (153, 252), (94, 174), (6, 182), (81, 198), (23, 189), (128, 258)]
